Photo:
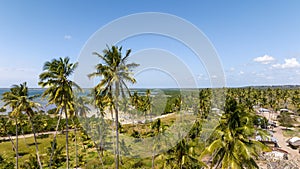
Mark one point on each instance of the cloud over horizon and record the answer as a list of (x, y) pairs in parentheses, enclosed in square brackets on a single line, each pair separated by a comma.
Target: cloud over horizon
[(266, 59), (288, 63)]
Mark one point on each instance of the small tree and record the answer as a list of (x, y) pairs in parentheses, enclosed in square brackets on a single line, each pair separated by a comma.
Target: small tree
[(31, 163), (286, 120), (5, 164), (57, 155)]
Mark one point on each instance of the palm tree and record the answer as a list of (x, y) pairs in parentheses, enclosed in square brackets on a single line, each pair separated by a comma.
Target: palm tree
[(157, 128), (59, 90), (135, 101), (204, 103), (182, 156), (9, 98), (295, 100), (147, 103), (20, 101), (231, 146), (5, 123), (81, 110), (25, 104), (114, 72)]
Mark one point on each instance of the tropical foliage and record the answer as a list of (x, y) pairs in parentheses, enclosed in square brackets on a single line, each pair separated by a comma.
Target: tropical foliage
[(222, 134)]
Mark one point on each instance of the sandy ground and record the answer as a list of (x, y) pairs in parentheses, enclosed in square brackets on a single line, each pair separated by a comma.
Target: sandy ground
[(126, 118), (278, 134), (27, 135), (293, 153)]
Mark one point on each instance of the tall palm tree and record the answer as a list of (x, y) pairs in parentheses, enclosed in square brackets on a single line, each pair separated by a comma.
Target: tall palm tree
[(114, 72), (25, 103), (59, 90), (182, 156), (146, 103), (135, 101), (295, 100), (9, 98), (19, 101), (231, 146), (5, 123), (204, 104), (157, 128)]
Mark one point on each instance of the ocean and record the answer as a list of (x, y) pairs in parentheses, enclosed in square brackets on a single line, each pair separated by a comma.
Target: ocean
[(43, 101), (31, 92)]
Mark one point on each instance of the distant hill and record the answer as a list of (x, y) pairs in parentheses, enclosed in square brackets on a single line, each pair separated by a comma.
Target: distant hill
[(275, 87)]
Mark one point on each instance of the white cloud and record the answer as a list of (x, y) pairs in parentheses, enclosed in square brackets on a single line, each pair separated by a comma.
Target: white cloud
[(241, 73), (266, 59), (67, 37), (288, 63)]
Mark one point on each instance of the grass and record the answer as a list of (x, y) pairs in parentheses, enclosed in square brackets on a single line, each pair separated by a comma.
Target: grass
[(27, 147), (87, 152), (291, 133)]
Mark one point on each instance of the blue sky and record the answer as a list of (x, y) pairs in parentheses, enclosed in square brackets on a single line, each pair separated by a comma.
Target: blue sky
[(258, 42)]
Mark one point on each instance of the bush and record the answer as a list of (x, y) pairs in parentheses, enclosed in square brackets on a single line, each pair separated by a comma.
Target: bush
[(6, 165)]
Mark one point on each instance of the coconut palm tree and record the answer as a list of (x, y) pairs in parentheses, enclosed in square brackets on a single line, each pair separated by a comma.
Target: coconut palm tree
[(295, 100), (80, 109), (231, 146), (114, 72), (5, 124), (19, 101), (143, 103), (157, 128), (59, 90), (9, 99), (204, 104), (136, 102), (182, 156), (25, 103)]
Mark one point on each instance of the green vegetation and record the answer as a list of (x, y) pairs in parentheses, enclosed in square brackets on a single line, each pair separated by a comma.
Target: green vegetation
[(60, 92), (223, 122), (114, 72)]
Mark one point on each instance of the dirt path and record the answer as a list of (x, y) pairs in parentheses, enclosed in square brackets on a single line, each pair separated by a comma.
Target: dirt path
[(293, 153), (126, 118), (28, 135), (278, 134)]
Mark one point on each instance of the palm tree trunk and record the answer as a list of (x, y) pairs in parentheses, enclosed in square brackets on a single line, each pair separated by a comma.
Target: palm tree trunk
[(117, 136), (111, 113), (153, 160), (35, 142), (9, 136), (99, 154), (220, 161), (54, 139), (12, 142), (116, 102), (76, 150), (180, 162), (67, 136), (17, 144)]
